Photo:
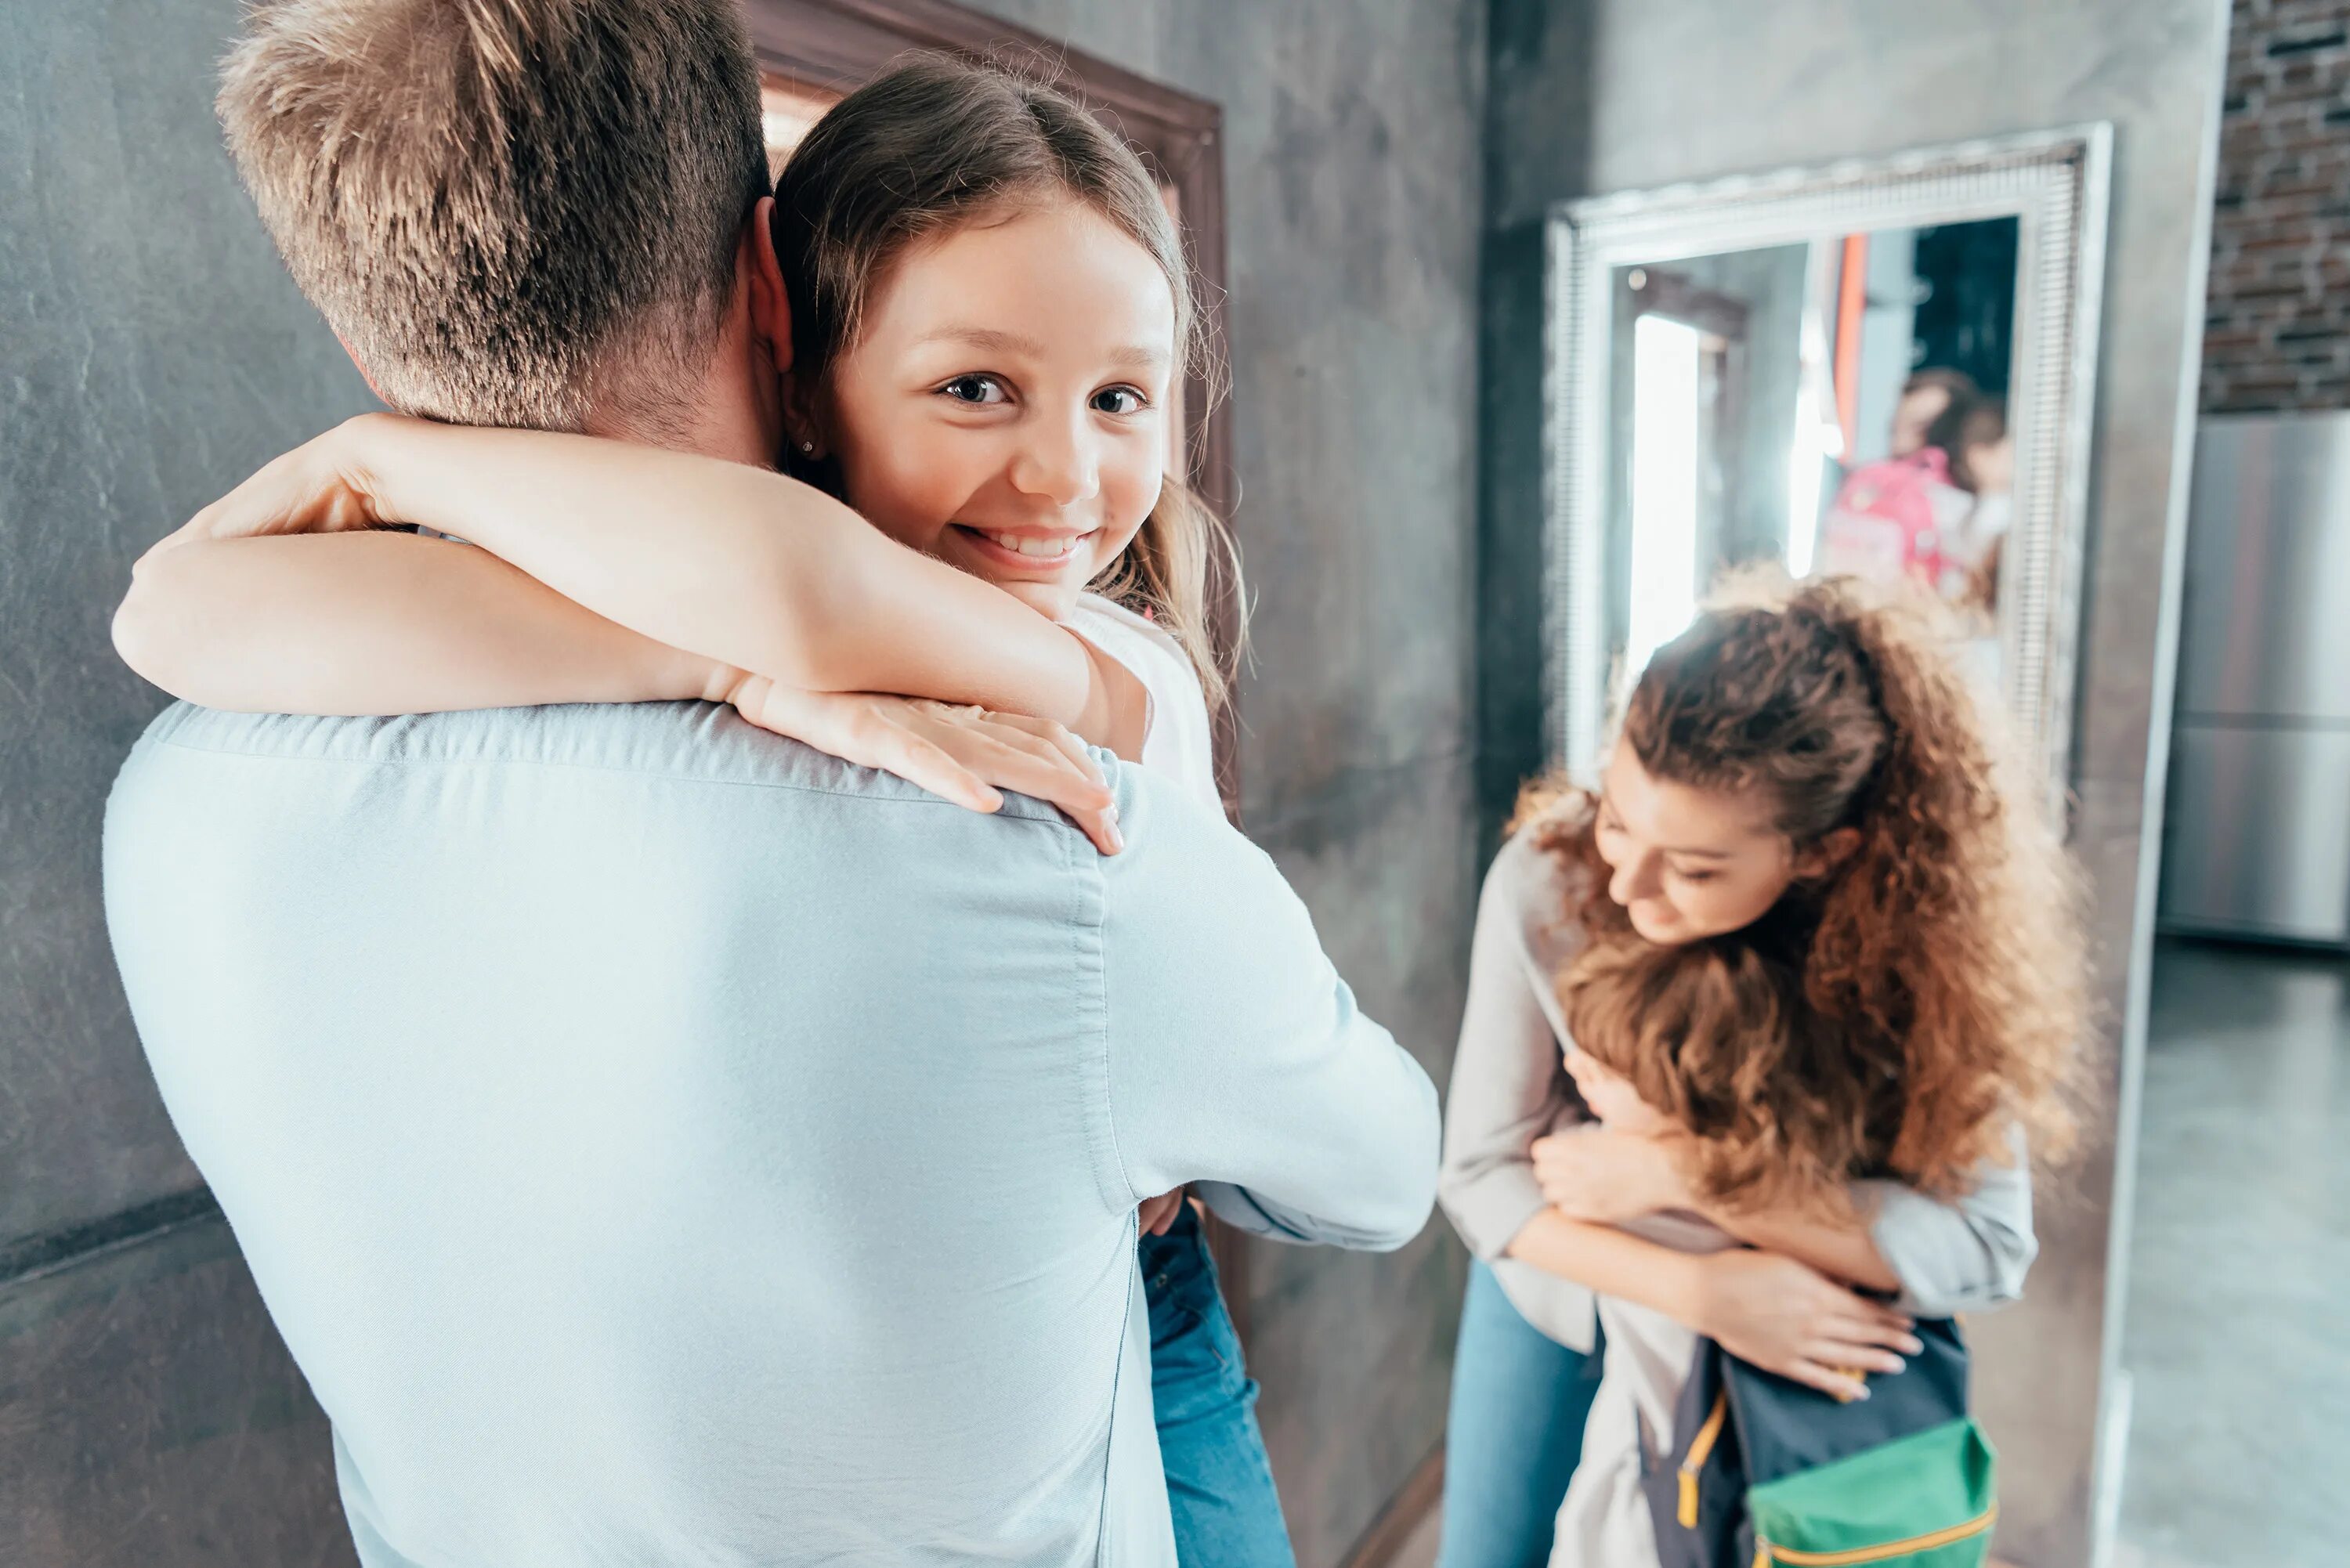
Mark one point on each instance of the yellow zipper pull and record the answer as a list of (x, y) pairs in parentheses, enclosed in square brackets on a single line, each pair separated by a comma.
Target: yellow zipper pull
[(1700, 1449)]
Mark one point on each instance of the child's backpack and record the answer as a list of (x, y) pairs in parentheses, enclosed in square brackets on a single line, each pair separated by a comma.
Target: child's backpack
[(1769, 1473), (1883, 525)]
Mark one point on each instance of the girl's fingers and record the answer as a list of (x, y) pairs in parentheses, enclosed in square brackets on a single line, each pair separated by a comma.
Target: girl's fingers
[(1060, 739), (1063, 761), (1033, 768), (930, 766), (1037, 769)]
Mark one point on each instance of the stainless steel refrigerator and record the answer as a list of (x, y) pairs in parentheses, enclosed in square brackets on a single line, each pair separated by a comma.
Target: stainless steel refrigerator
[(2256, 838)]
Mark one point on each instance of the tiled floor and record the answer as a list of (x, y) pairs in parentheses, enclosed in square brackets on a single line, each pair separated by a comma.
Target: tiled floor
[(2240, 1269)]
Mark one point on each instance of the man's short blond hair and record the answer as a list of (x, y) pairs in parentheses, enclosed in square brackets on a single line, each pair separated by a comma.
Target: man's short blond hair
[(512, 211)]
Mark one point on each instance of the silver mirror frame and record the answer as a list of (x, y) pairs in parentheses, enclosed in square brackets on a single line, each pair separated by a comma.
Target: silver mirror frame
[(2054, 182)]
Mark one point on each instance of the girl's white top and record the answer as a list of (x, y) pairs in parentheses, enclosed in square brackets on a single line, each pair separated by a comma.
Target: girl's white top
[(1177, 738)]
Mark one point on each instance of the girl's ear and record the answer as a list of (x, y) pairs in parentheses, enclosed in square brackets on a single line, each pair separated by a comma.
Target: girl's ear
[(1829, 856)]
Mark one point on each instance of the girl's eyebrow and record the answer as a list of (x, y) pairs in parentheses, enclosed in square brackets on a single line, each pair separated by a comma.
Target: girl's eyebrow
[(990, 341)]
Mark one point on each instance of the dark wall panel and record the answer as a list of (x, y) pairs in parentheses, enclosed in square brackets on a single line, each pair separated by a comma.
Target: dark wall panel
[(148, 1418), (153, 353)]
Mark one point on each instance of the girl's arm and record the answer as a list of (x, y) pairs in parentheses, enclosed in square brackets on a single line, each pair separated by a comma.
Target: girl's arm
[(375, 622), (378, 622), (751, 570)]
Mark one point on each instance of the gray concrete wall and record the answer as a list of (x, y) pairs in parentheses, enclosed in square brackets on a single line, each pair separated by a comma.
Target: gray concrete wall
[(1352, 172), (155, 353), (152, 352), (1608, 95)]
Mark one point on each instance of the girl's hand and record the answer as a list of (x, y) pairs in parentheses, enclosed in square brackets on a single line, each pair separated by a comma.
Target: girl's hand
[(1611, 1097), (323, 486), (958, 754), (1156, 1216), (1775, 1313), (1604, 1176)]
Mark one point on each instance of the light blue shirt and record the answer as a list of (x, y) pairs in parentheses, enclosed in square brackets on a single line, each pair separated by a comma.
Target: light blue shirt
[(659, 1143)]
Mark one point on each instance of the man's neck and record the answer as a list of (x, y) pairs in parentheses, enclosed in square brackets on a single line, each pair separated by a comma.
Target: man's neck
[(704, 430), (729, 411)]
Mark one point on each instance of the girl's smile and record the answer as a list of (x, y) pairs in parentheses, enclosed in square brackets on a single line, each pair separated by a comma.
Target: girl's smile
[(1027, 450)]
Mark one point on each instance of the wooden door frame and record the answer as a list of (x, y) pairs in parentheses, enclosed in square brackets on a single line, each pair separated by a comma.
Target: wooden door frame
[(832, 45)]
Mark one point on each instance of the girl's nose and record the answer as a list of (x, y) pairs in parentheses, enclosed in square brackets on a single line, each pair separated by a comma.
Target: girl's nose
[(1059, 464)]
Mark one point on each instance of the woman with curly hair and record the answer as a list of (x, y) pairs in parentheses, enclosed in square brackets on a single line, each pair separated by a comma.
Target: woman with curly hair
[(1758, 1036)]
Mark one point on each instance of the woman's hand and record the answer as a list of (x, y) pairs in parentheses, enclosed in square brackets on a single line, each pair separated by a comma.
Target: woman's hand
[(1784, 1317), (1604, 1176), (960, 754)]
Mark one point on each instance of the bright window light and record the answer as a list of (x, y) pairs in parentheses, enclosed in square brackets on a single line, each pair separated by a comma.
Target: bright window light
[(1664, 362), (1804, 459)]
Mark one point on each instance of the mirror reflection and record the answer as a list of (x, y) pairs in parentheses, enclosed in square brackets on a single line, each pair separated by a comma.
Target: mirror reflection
[(1833, 406)]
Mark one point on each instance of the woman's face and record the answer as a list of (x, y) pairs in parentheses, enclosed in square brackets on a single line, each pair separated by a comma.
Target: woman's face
[(1003, 408), (1688, 863)]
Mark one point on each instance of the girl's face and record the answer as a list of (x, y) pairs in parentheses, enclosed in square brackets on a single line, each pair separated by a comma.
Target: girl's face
[(1003, 408), (1690, 863)]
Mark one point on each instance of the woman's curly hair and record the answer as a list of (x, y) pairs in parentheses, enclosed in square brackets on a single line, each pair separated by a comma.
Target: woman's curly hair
[(1900, 1014)]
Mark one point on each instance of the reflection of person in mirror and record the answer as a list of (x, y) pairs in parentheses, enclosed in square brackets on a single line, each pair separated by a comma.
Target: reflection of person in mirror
[(1756, 1038), (1924, 398), (1936, 509), (1973, 522)]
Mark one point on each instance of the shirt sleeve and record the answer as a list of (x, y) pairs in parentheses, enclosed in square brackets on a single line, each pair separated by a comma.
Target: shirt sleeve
[(1237, 1059), (1506, 1069), (1963, 1255)]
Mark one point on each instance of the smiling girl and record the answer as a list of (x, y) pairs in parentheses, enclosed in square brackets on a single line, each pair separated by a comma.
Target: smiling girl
[(972, 311)]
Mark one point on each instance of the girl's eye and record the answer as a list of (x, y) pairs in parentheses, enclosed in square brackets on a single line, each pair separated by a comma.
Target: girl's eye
[(978, 390), (1119, 400), (1696, 877)]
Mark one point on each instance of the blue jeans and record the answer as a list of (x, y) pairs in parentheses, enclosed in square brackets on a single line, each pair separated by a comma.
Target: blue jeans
[(1219, 1481), (1515, 1430)]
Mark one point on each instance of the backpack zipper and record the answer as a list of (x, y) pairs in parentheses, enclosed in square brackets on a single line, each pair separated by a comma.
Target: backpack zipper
[(1767, 1556), (1701, 1447)]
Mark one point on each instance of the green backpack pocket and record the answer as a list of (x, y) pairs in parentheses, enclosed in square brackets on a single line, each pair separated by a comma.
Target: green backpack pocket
[(1925, 1500)]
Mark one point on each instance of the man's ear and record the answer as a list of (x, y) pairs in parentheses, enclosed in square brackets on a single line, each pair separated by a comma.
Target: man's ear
[(771, 306), (360, 366)]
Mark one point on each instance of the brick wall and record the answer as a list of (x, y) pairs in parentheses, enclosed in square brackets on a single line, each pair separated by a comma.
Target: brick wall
[(2279, 331)]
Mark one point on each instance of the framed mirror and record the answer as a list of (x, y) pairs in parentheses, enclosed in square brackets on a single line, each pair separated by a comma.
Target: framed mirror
[(1881, 368)]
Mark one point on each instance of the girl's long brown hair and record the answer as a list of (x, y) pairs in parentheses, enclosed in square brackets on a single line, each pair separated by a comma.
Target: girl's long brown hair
[(1901, 1015), (934, 143)]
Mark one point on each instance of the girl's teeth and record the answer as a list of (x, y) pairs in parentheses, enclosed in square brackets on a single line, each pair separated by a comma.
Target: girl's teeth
[(1032, 546)]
